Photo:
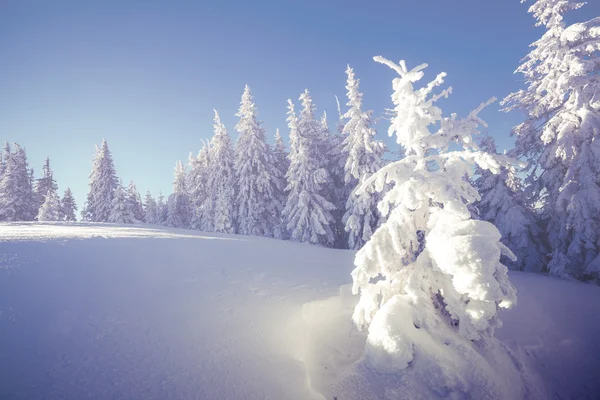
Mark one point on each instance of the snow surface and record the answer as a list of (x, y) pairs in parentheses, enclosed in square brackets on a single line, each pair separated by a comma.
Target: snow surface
[(98, 311)]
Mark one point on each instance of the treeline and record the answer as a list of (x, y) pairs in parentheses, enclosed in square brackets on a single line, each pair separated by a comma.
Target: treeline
[(25, 198)]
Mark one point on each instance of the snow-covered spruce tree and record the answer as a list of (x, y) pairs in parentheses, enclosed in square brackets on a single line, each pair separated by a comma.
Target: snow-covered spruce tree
[(134, 202), (307, 212), (68, 206), (362, 159), (282, 163), (162, 210), (430, 278), (150, 210), (50, 209), (179, 208), (16, 196), (560, 135), (259, 183), (336, 192), (197, 186), (503, 205), (103, 182), (44, 184), (120, 212), (221, 181)]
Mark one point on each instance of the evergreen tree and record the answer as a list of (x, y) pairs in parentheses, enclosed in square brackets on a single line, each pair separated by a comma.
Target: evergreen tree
[(4, 157), (221, 181), (162, 210), (179, 207), (280, 155), (362, 155), (134, 202), (307, 211), (150, 210), (16, 200), (68, 206), (120, 212), (103, 183), (430, 266), (44, 185), (259, 183), (50, 209), (503, 205), (198, 185), (560, 135)]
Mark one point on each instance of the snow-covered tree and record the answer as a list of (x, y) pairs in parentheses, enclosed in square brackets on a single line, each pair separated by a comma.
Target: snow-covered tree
[(430, 278), (16, 195), (120, 212), (50, 210), (221, 181), (560, 135), (363, 157), (44, 184), (503, 205), (103, 183), (307, 212), (197, 185), (162, 210), (68, 206), (134, 202), (280, 155), (179, 207), (150, 210), (259, 182)]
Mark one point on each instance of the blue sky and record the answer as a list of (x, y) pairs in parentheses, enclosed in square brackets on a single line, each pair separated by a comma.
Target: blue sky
[(146, 74)]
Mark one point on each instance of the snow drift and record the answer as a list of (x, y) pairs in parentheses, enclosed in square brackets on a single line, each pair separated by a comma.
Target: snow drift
[(107, 312)]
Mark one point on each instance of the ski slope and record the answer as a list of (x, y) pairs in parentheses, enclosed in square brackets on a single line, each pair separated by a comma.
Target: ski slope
[(95, 311)]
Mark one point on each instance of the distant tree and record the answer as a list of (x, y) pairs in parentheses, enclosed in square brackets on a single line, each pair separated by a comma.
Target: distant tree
[(103, 183), (560, 137), (134, 202), (258, 181), (307, 211), (68, 206), (120, 212), (179, 207), (16, 196), (221, 181), (150, 210), (363, 157), (44, 184), (198, 187), (162, 210), (50, 209)]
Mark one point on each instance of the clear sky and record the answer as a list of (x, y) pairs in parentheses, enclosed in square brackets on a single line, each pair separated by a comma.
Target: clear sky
[(146, 74)]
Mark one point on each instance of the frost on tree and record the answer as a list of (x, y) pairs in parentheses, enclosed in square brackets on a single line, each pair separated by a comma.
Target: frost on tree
[(134, 202), (198, 188), (120, 212), (44, 185), (307, 212), (16, 192), (179, 208), (68, 206), (103, 183), (559, 137), (50, 210), (503, 205), (162, 210), (221, 181), (430, 278), (150, 210), (259, 181), (362, 159)]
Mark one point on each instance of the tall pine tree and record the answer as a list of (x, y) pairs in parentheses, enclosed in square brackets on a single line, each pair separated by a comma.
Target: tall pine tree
[(259, 182), (68, 206), (179, 207), (103, 183)]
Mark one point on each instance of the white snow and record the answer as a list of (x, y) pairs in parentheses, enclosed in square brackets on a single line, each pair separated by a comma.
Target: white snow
[(98, 311)]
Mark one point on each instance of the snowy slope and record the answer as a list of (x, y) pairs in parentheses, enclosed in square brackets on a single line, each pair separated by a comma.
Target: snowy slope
[(92, 311)]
